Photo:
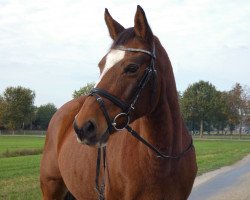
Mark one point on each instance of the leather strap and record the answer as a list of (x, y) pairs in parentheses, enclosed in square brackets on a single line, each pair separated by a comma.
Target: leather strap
[(104, 111), (121, 104), (159, 154), (100, 189), (152, 54)]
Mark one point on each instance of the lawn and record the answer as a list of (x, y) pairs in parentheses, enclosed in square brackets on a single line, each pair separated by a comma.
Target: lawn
[(19, 176), (213, 154), (11, 143)]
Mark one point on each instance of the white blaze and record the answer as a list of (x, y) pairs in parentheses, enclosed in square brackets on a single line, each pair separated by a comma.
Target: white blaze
[(113, 57)]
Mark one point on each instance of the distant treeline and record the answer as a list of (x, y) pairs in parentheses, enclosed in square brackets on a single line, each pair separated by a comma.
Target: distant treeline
[(203, 107), (17, 110)]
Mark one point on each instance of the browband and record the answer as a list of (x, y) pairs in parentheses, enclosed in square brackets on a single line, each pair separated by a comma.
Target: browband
[(152, 54)]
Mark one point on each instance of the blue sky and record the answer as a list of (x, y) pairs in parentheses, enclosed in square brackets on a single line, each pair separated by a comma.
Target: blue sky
[(53, 46)]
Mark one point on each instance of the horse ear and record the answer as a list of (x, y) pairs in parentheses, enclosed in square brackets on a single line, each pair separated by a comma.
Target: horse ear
[(141, 26), (113, 26)]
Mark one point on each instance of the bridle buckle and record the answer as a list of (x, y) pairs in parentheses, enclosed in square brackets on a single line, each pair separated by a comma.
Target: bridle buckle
[(119, 126)]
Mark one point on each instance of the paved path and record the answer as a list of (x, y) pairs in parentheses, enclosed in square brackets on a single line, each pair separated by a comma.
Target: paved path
[(227, 183)]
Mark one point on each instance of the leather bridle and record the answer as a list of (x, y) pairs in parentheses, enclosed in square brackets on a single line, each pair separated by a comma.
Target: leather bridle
[(125, 114), (125, 107)]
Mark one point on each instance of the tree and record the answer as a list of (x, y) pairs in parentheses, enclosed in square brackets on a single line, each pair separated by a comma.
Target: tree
[(247, 118), (2, 111), (84, 90), (18, 107), (197, 104), (238, 104), (43, 115), (221, 111)]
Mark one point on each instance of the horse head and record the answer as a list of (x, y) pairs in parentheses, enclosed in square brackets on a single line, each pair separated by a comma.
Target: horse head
[(127, 88)]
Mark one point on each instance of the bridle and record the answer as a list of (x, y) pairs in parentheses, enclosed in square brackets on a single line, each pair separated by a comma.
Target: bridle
[(126, 108)]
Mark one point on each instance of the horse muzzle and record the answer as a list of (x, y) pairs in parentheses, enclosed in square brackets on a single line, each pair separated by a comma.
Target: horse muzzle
[(87, 134)]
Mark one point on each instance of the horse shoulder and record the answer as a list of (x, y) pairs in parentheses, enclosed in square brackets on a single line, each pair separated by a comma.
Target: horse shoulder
[(62, 120), (58, 125), (51, 181)]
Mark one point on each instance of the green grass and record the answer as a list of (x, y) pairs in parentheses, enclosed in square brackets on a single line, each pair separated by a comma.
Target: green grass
[(226, 137), (18, 143), (19, 176), (213, 154)]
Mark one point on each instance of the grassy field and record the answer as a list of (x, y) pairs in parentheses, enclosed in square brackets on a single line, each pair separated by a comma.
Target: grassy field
[(222, 137), (213, 154), (19, 176), (13, 143)]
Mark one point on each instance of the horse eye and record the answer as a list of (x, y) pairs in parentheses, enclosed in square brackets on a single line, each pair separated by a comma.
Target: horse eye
[(132, 68)]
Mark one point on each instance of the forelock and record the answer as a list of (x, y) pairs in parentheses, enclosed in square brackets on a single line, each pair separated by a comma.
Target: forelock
[(124, 37)]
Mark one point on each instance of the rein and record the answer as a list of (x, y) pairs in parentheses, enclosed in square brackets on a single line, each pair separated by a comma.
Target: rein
[(125, 114), (153, 148)]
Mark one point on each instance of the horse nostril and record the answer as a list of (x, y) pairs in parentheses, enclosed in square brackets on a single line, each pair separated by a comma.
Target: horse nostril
[(87, 131), (89, 127), (76, 128)]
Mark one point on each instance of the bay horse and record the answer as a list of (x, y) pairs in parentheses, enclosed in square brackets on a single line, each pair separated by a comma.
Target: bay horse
[(133, 116)]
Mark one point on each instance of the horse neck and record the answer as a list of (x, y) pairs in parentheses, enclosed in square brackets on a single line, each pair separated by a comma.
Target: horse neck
[(164, 126)]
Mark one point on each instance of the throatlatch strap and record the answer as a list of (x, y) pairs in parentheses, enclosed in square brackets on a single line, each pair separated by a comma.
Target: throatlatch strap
[(159, 154)]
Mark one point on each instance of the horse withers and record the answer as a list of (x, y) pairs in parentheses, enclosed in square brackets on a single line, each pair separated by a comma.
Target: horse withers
[(133, 115)]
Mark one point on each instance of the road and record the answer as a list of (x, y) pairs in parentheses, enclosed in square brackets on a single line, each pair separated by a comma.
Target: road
[(227, 183)]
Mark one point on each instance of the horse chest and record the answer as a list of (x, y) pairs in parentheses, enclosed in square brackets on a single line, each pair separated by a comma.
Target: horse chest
[(132, 176), (140, 189)]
